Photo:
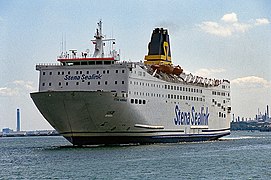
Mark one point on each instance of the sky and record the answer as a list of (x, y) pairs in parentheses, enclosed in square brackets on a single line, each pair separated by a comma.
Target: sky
[(225, 39)]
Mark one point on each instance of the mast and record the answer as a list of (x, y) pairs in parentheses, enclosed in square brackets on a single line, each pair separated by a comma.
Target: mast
[(99, 42)]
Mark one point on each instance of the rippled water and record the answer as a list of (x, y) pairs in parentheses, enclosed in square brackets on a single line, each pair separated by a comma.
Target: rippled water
[(243, 155)]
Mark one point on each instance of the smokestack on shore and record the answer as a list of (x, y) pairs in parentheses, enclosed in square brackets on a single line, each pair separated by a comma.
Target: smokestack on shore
[(18, 121)]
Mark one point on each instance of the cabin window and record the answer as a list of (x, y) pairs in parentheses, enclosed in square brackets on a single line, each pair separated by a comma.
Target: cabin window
[(123, 71), (81, 72), (69, 72), (59, 83), (122, 82), (43, 84), (116, 82), (77, 83), (105, 82), (107, 72), (58, 73), (50, 84), (76, 72), (89, 83), (132, 101), (43, 73), (84, 63), (67, 83), (99, 82), (50, 73), (117, 71), (103, 71), (87, 72), (99, 62), (97, 72), (139, 101), (107, 62), (136, 101)]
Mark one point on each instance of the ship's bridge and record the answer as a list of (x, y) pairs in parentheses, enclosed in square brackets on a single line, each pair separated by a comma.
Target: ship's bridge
[(85, 60), (99, 57)]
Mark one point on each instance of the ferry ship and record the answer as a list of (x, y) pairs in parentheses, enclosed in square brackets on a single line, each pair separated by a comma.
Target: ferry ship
[(99, 99)]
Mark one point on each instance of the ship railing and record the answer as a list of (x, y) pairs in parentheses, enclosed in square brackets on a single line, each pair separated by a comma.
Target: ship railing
[(49, 64)]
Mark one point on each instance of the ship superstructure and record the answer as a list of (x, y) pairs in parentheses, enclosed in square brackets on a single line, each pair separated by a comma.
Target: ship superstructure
[(98, 99)]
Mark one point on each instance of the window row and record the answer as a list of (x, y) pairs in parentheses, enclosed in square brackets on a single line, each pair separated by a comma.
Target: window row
[(146, 84), (78, 83), (220, 93), (223, 115), (138, 101), (179, 88), (140, 73), (86, 72), (215, 102), (189, 98), (148, 94), (88, 63)]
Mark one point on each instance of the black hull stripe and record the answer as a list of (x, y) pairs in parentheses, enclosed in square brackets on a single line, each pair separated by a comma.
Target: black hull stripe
[(107, 140), (215, 130), (122, 132)]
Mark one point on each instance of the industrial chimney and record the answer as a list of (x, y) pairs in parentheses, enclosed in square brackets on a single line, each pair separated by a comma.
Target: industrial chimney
[(18, 121)]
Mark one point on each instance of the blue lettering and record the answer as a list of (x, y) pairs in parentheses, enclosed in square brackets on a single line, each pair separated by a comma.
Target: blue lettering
[(191, 118)]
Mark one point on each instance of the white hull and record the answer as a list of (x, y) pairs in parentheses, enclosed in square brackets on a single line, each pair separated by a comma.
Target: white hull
[(86, 118)]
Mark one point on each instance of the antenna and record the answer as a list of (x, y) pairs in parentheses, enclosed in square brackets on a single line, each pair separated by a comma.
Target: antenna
[(65, 43)]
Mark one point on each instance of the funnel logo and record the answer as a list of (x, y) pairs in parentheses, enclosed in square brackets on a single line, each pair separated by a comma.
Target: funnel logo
[(191, 118)]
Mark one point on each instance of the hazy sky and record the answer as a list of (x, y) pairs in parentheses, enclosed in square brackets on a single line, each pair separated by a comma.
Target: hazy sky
[(224, 39)]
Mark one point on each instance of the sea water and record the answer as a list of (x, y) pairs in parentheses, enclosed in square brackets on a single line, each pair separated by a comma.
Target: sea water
[(242, 155)]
